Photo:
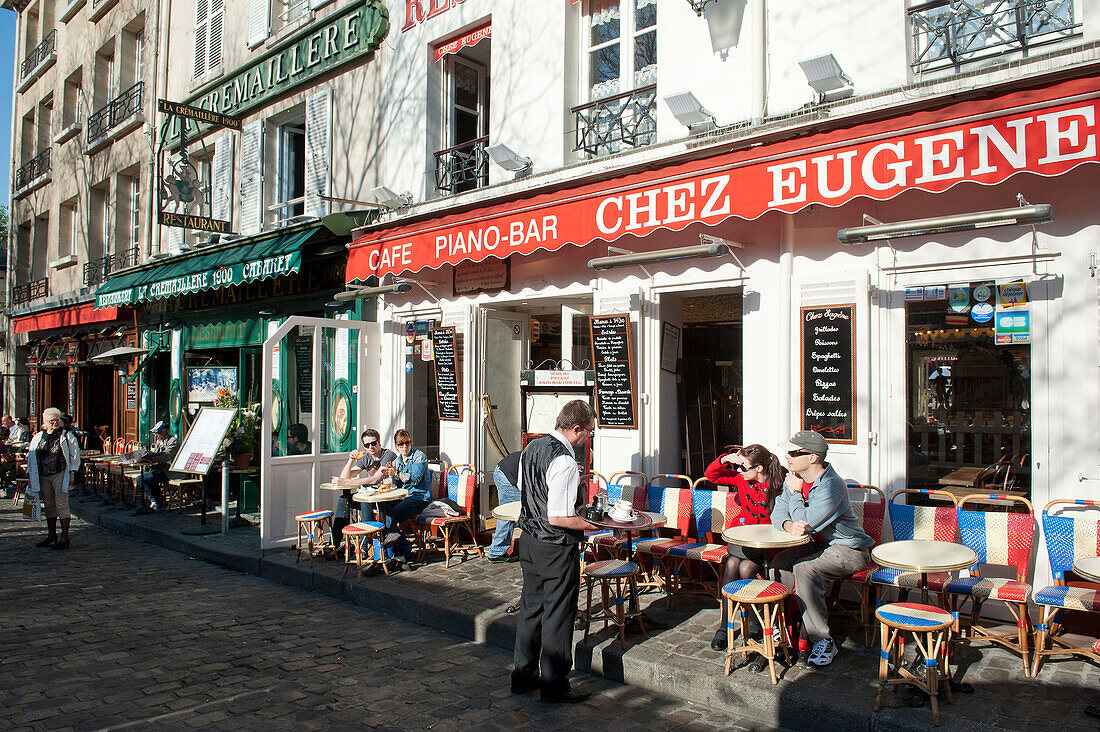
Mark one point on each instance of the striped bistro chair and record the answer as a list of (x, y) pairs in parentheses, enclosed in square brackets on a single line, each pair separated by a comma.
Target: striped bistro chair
[(422, 532), (460, 486), (355, 536), (674, 503), (312, 525), (999, 539), (871, 515), (767, 600), (618, 581), (931, 628), (1069, 535), (626, 485), (939, 523), (695, 564), (592, 484)]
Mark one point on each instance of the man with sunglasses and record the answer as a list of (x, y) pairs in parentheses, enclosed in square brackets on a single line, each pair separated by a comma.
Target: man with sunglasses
[(815, 501), (551, 495), (364, 467)]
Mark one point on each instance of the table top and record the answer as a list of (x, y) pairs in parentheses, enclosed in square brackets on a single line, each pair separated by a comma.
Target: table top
[(924, 555), (507, 511), (961, 477), (658, 519), (375, 497), (762, 536), (643, 520), (332, 487), (1088, 567)]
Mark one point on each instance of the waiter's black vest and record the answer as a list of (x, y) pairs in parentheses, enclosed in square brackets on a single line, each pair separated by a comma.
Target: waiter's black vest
[(533, 464)]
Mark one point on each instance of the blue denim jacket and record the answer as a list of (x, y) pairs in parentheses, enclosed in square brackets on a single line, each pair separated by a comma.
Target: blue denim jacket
[(413, 475)]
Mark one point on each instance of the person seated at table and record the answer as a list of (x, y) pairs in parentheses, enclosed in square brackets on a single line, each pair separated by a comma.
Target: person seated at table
[(757, 476), (410, 472), (815, 502), (297, 440), (20, 432), (7, 463), (362, 468), (160, 454)]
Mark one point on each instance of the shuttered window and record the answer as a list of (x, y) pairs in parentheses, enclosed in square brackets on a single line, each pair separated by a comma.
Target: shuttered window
[(259, 21), (221, 188), (318, 152), (209, 17), (251, 177)]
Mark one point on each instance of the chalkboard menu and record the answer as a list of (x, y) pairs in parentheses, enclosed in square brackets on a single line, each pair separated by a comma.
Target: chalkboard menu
[(131, 396), (828, 373), (447, 383), (303, 362), (613, 359)]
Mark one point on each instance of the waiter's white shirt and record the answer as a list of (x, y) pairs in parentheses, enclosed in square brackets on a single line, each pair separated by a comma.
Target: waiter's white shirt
[(562, 479)]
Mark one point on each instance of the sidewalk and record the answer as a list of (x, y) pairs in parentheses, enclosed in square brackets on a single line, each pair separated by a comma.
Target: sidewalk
[(470, 598)]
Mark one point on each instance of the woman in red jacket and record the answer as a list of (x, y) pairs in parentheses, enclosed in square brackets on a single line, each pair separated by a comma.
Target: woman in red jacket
[(757, 477)]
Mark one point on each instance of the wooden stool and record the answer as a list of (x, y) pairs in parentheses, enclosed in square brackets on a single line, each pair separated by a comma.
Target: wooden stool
[(613, 606), (354, 537), (931, 627), (20, 490), (313, 524), (767, 599)]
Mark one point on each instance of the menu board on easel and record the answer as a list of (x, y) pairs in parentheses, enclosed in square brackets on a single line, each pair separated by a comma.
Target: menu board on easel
[(613, 361), (828, 372), (447, 381), (204, 439)]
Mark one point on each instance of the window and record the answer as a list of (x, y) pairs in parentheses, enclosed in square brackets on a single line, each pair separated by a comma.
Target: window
[(291, 190), (99, 218), (209, 15), (133, 216), (106, 75), (45, 123), (70, 105), (68, 228), (462, 164)]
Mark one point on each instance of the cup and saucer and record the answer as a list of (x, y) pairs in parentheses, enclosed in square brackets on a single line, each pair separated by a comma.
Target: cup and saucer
[(623, 512)]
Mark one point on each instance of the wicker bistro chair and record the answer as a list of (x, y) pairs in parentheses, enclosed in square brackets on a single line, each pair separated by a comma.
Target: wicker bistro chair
[(674, 503), (939, 523), (592, 483), (618, 582), (625, 485), (767, 600), (871, 515), (1069, 536), (364, 540), (931, 630), (314, 526), (999, 539), (422, 532), (459, 485), (695, 565)]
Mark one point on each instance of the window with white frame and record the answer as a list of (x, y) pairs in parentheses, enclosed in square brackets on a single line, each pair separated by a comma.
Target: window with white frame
[(291, 184), (68, 228), (209, 16), (135, 209), (622, 35)]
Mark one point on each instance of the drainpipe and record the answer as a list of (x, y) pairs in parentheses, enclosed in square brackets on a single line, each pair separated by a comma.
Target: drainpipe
[(9, 347), (760, 81), (786, 268)]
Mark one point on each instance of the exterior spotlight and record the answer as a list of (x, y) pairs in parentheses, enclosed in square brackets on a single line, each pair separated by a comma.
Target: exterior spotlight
[(508, 159), (688, 110), (825, 76), (390, 200)]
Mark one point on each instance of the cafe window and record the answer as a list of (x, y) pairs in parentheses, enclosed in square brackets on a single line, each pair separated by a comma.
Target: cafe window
[(290, 190), (968, 371)]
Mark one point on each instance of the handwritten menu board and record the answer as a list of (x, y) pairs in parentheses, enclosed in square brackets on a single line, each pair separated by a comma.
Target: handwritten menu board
[(613, 357), (828, 373), (447, 383), (203, 440), (131, 396), (303, 363)]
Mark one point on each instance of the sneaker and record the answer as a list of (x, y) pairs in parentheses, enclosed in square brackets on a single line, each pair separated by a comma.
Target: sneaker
[(504, 558), (823, 652)]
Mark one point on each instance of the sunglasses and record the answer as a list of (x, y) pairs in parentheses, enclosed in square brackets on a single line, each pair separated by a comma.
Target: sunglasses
[(744, 469), (405, 443), (799, 453), (372, 443)]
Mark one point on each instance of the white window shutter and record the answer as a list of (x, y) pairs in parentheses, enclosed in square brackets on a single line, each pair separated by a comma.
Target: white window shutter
[(214, 36), (221, 193), (318, 152), (175, 240), (259, 21), (202, 15), (252, 177)]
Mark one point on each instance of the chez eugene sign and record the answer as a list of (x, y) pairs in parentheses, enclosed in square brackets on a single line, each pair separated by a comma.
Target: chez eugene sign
[(1049, 140)]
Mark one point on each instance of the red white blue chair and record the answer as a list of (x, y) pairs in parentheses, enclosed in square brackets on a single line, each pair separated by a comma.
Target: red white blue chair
[(766, 599), (367, 555), (674, 503), (931, 630), (938, 523), (459, 485), (999, 539), (694, 565), (625, 485), (871, 515), (1071, 530), (314, 525), (618, 580)]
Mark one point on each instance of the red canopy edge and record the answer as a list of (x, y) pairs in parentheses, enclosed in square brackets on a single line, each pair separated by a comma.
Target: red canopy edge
[(1047, 131), (79, 315)]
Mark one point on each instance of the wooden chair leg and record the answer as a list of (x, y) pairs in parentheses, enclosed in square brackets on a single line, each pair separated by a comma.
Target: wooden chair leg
[(731, 608), (1023, 627), (885, 651)]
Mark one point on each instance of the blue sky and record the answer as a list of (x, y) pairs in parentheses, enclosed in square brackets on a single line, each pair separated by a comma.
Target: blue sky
[(7, 67)]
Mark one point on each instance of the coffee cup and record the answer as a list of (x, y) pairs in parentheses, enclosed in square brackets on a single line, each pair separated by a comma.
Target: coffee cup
[(622, 511)]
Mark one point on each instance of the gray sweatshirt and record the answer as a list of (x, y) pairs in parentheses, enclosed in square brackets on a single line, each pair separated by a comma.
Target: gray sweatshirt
[(828, 511)]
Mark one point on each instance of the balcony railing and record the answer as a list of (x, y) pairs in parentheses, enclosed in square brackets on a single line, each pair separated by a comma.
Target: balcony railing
[(30, 291), (955, 32), (462, 167), (39, 54), (114, 113), (607, 125), (98, 270), (32, 170)]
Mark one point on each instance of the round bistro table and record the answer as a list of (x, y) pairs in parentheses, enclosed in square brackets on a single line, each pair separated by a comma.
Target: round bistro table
[(1088, 568), (507, 511), (377, 498)]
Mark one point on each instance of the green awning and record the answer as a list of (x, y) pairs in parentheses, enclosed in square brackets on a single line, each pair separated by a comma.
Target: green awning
[(234, 265)]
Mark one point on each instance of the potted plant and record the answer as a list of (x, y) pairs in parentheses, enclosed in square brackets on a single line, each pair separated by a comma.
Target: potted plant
[(244, 433)]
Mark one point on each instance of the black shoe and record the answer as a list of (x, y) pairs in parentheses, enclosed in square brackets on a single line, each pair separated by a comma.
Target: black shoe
[(758, 665), (62, 544), (718, 642), (405, 565), (523, 684), (568, 696), (48, 541), (504, 558)]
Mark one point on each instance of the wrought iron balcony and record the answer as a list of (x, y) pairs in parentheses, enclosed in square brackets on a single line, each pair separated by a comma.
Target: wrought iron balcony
[(30, 291), (607, 125), (40, 53), (32, 170), (98, 270), (955, 32), (462, 167), (113, 114)]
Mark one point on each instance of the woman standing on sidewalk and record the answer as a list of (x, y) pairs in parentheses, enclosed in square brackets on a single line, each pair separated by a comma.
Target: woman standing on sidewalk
[(53, 457)]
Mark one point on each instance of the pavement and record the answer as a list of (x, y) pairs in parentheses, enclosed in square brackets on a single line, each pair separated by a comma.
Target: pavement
[(676, 663)]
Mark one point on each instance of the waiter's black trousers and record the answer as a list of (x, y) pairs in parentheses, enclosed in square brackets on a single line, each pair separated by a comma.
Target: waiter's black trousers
[(548, 609)]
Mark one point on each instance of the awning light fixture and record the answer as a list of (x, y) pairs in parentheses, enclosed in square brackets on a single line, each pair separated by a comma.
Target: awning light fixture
[(389, 199), (711, 249), (398, 286), (1032, 215), (824, 75), (689, 111), (508, 158)]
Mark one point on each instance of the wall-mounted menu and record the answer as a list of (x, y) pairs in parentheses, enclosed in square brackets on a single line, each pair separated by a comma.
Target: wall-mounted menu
[(613, 359), (828, 372), (447, 381), (303, 365)]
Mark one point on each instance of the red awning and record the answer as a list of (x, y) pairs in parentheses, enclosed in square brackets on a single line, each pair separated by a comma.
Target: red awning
[(80, 315), (1046, 131), (471, 38)]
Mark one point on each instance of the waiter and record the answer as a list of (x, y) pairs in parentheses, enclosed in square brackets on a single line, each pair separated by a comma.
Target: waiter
[(550, 489)]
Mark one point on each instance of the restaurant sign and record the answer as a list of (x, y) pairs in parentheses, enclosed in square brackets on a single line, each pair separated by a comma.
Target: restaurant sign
[(227, 276)]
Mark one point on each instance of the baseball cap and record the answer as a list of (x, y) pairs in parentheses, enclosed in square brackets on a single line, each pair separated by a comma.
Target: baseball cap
[(806, 440), (161, 425)]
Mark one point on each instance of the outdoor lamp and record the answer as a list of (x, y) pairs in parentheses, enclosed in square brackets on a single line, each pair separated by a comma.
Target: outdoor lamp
[(1041, 213), (661, 255), (825, 76), (508, 159), (724, 19), (688, 110), (361, 292), (388, 199)]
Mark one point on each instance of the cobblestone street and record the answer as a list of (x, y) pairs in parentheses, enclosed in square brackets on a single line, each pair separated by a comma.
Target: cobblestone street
[(117, 634)]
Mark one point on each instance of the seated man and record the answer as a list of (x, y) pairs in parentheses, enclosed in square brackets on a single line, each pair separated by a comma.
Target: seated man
[(362, 468), (297, 440), (815, 501), (160, 454)]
